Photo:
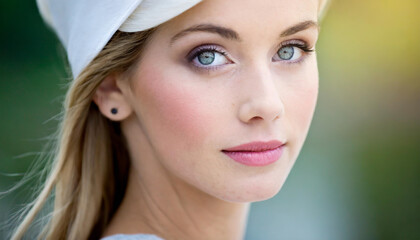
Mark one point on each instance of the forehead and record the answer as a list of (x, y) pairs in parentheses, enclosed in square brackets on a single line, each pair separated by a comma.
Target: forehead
[(247, 16)]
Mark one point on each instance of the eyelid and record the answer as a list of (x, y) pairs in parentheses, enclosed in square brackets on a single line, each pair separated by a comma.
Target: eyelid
[(297, 43), (301, 44), (205, 47), (195, 52), (192, 54)]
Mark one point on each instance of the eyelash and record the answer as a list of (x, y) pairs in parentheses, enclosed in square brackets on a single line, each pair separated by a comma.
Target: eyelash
[(302, 45), (206, 48)]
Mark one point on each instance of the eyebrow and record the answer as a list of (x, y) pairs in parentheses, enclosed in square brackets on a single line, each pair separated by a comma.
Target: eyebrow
[(232, 35), (299, 27), (222, 31)]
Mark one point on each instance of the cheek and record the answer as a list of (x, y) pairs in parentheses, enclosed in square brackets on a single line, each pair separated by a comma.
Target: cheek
[(300, 104), (304, 101), (170, 112)]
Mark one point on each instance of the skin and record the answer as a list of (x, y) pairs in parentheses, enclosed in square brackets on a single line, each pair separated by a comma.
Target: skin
[(177, 118)]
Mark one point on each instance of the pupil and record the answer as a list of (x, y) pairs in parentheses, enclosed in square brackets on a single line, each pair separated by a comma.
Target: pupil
[(206, 58), (286, 53)]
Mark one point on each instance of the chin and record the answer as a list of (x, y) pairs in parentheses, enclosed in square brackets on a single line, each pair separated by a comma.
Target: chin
[(254, 184), (253, 190)]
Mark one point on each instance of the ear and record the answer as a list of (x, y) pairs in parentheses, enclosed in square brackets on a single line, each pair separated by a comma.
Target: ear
[(111, 101)]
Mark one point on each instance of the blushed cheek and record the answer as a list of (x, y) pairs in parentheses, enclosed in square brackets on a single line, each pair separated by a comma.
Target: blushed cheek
[(306, 96), (308, 105), (171, 113), (304, 105), (300, 100)]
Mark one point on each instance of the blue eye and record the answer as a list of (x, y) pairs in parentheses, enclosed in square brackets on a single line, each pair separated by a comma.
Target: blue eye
[(293, 52), (286, 53), (289, 53), (208, 57)]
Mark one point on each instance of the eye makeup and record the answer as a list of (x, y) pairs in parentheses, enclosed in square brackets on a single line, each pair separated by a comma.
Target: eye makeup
[(301, 49), (217, 51)]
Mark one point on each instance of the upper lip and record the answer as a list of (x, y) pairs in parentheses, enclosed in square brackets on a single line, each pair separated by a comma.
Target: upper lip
[(255, 146)]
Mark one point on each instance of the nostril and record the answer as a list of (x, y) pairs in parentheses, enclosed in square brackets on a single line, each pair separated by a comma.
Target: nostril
[(256, 118), (255, 111)]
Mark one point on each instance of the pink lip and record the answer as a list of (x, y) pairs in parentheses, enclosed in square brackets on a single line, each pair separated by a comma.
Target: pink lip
[(256, 153)]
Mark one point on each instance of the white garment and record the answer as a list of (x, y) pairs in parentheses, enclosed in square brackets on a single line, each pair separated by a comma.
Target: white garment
[(85, 26)]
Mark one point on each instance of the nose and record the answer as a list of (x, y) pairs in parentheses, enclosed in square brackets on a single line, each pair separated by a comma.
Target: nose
[(261, 97)]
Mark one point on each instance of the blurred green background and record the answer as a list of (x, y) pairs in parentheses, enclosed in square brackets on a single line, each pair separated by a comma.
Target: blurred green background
[(358, 175)]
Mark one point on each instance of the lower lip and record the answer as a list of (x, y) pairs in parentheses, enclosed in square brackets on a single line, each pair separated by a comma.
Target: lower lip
[(256, 159)]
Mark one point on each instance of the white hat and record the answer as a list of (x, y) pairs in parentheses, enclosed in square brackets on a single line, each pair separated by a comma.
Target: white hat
[(85, 26)]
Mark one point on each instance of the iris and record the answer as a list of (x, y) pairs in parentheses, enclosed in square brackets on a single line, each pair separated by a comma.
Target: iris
[(286, 53), (206, 58)]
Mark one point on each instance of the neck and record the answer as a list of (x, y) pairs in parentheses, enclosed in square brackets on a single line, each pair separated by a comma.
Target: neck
[(170, 209)]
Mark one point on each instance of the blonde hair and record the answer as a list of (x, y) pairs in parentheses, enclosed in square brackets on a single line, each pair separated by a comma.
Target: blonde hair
[(90, 168), (323, 6)]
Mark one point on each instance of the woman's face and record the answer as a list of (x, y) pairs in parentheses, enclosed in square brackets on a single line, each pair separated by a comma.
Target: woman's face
[(224, 74)]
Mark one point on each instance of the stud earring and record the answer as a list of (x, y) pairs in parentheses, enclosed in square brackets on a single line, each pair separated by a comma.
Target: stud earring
[(114, 111)]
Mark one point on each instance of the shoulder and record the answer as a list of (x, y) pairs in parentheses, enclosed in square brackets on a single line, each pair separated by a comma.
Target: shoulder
[(132, 237)]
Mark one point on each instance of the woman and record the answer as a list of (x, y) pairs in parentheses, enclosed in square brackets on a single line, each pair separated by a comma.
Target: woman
[(190, 112)]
